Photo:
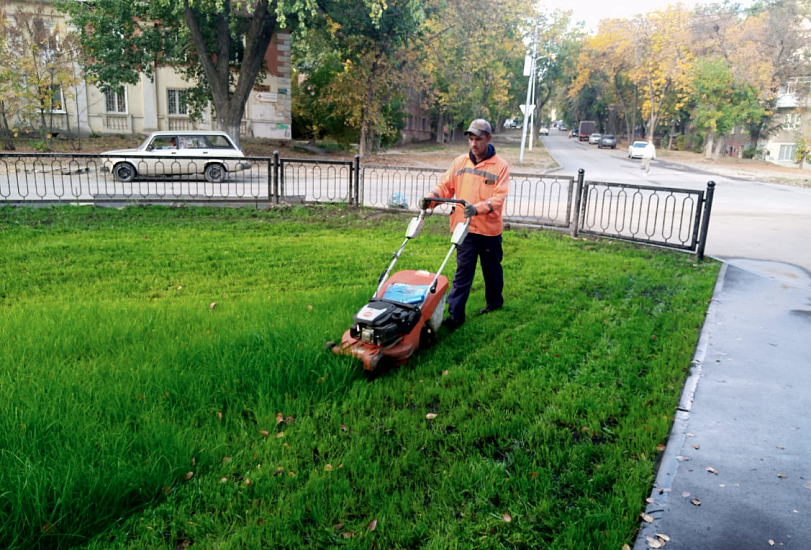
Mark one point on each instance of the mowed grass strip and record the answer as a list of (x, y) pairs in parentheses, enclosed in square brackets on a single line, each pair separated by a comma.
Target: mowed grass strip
[(163, 384)]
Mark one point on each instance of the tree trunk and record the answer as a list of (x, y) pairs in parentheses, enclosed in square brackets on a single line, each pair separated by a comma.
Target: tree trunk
[(5, 131), (708, 145), (440, 128), (672, 131), (217, 66), (364, 119), (720, 146)]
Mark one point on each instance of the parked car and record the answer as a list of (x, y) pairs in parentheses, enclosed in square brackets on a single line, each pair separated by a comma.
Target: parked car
[(176, 154), (594, 139), (574, 133), (607, 141), (544, 131), (636, 149), (562, 127)]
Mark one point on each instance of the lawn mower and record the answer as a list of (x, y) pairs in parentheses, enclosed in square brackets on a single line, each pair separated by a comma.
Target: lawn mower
[(406, 310)]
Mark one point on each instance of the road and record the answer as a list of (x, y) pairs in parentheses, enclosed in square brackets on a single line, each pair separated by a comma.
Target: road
[(750, 219)]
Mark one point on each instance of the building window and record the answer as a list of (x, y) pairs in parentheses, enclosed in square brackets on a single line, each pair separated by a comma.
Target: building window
[(788, 88), (423, 124), (176, 104), (791, 121), (52, 99), (116, 102), (788, 152)]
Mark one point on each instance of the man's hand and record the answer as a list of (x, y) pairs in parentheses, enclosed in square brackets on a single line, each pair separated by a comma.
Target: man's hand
[(425, 203), (470, 210)]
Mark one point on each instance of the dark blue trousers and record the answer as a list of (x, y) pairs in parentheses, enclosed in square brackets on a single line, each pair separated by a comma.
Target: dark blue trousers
[(473, 248)]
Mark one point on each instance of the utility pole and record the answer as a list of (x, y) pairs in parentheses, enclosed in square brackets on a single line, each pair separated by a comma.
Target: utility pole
[(527, 111)]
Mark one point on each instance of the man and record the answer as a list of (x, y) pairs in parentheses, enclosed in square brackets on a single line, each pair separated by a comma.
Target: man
[(648, 153), (481, 178)]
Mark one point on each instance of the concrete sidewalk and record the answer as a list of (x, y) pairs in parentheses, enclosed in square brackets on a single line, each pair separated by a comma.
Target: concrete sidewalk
[(736, 473)]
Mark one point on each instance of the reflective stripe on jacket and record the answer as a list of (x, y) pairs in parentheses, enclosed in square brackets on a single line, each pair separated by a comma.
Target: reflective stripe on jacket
[(485, 185)]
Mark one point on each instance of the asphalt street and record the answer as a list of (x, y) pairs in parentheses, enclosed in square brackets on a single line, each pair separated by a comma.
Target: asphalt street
[(750, 219)]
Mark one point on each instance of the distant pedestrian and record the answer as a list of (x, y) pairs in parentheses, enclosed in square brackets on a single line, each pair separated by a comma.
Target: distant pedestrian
[(648, 154)]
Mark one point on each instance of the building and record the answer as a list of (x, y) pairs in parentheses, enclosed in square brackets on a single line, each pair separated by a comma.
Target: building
[(417, 125), (158, 103), (793, 102)]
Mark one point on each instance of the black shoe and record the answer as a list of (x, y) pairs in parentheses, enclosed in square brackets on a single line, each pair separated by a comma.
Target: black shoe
[(452, 323), (488, 308)]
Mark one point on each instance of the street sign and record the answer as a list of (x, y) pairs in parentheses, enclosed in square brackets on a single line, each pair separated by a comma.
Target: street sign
[(524, 109), (527, 65)]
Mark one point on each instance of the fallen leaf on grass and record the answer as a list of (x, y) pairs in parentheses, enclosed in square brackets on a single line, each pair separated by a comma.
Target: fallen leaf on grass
[(649, 500), (193, 461), (663, 537), (219, 415), (289, 420), (696, 502), (430, 416), (626, 547), (211, 305), (248, 482), (223, 480), (279, 418), (696, 446), (264, 433), (682, 458), (328, 467), (344, 428), (226, 459), (188, 475), (711, 470), (180, 288), (444, 373), (533, 475), (348, 535), (279, 471), (646, 517), (781, 475), (660, 447), (338, 526), (372, 525), (507, 517), (280, 434)]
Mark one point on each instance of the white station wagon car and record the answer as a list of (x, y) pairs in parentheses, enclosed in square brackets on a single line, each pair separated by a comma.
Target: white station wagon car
[(212, 154)]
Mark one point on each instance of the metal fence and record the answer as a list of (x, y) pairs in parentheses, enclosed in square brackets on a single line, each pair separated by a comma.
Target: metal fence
[(533, 198), (670, 217), (82, 178)]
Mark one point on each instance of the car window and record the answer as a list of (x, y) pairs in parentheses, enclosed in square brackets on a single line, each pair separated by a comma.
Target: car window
[(219, 142), (164, 142), (608, 136), (640, 143), (193, 142)]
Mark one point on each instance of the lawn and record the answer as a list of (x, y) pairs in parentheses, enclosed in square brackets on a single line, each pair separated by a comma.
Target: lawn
[(163, 384)]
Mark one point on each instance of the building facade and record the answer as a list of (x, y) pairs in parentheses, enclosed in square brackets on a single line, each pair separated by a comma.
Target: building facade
[(159, 103), (794, 113)]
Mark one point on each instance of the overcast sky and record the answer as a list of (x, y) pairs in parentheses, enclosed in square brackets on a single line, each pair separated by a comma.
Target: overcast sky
[(592, 11)]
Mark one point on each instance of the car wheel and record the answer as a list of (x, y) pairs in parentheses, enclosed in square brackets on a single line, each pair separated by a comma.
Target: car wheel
[(215, 173), (124, 171)]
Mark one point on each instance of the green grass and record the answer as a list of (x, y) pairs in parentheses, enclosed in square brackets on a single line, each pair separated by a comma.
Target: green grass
[(115, 382)]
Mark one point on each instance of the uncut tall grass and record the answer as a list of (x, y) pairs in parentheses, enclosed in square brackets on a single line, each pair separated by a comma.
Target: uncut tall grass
[(147, 352)]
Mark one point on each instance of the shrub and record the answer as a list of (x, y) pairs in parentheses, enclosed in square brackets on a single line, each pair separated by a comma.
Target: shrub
[(681, 142)]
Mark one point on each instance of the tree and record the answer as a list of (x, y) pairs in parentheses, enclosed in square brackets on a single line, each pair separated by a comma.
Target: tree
[(218, 45), (37, 70)]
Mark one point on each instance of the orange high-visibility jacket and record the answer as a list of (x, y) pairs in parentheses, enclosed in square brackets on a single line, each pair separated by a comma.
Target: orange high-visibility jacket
[(485, 185)]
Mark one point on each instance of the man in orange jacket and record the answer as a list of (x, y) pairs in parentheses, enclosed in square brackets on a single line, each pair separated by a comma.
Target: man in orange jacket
[(482, 179)]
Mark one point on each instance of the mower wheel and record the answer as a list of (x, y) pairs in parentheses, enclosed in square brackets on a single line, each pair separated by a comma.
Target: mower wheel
[(427, 337), (329, 345)]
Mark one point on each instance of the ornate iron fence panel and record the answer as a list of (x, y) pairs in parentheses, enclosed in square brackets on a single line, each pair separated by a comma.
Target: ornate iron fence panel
[(532, 199), (310, 180), (655, 215), (79, 178)]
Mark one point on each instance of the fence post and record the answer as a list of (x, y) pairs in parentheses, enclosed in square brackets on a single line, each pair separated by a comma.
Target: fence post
[(705, 221), (357, 180), (581, 174), (276, 177)]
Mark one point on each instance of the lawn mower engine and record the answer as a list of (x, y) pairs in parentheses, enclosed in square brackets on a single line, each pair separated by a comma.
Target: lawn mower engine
[(381, 322)]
